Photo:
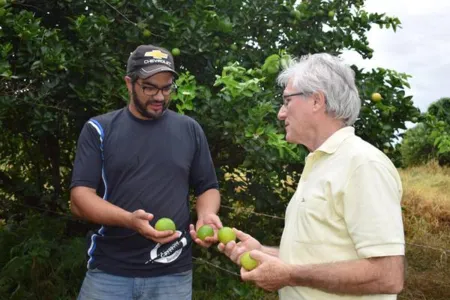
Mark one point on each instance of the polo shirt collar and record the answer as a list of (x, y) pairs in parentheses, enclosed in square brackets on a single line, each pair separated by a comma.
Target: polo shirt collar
[(335, 140)]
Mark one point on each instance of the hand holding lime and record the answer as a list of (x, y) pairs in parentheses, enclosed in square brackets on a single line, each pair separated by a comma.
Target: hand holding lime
[(204, 232)]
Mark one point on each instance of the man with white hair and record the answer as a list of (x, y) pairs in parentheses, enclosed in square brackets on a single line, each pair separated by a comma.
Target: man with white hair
[(343, 236)]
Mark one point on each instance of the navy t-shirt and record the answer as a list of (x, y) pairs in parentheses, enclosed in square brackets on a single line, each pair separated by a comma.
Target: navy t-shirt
[(149, 165)]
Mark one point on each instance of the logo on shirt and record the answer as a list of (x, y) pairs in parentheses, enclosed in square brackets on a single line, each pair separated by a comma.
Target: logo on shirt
[(167, 253)]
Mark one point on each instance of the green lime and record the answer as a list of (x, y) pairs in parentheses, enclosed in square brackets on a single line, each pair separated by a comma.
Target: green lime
[(296, 14), (165, 224), (247, 262), (147, 33), (204, 232), (176, 52), (226, 234)]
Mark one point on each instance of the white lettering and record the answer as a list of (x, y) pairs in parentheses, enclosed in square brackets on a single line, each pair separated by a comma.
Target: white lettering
[(157, 61)]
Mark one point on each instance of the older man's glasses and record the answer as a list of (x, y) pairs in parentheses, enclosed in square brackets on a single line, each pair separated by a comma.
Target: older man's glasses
[(287, 97), (151, 90)]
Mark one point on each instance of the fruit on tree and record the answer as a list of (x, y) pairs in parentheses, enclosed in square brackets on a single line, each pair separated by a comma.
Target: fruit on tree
[(176, 51), (376, 97)]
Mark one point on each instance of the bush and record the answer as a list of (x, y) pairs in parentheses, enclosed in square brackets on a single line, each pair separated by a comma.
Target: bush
[(38, 260), (430, 139)]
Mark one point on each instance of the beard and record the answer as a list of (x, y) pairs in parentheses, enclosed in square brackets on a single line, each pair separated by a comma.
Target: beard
[(141, 106)]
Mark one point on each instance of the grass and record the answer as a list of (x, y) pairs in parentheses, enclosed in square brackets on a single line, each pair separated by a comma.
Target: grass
[(426, 204)]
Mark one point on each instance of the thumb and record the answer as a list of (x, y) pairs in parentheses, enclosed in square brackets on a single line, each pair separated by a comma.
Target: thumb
[(149, 216), (217, 222), (242, 236), (142, 214), (258, 255)]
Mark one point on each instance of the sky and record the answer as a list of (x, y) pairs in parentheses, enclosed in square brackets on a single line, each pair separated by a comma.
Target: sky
[(421, 48)]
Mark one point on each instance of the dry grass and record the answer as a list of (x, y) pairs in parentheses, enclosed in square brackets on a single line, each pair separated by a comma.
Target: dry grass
[(426, 204)]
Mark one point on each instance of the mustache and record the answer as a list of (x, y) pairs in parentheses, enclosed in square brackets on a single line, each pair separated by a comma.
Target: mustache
[(150, 102)]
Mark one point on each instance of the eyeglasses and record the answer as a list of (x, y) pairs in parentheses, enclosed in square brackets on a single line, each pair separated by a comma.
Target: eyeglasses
[(152, 90), (286, 98)]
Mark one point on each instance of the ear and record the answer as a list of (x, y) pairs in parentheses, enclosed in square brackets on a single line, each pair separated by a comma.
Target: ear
[(129, 84), (320, 101)]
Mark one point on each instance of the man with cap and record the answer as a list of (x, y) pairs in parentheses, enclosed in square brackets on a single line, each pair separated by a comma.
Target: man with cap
[(134, 166)]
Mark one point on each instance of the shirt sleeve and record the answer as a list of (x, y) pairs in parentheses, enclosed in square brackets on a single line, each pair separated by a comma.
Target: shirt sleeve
[(87, 168), (372, 210), (202, 176)]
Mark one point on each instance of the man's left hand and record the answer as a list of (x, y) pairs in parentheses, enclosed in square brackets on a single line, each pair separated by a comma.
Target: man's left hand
[(271, 274), (208, 219)]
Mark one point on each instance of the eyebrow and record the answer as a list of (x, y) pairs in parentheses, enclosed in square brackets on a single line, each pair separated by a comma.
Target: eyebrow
[(154, 85)]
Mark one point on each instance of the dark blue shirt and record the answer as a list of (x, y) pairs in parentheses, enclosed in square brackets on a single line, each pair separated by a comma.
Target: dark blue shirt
[(149, 165)]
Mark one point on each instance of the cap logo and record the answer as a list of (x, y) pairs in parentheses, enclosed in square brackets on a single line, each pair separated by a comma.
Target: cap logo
[(156, 54)]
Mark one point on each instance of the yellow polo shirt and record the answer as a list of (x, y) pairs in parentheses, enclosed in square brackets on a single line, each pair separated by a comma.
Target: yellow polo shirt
[(346, 207)]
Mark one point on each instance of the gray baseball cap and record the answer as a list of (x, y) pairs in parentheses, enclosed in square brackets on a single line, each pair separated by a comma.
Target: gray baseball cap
[(148, 60)]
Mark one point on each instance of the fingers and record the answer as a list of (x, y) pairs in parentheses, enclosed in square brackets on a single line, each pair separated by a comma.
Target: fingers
[(237, 253), (205, 243), (143, 215), (216, 222), (232, 250), (192, 232), (242, 236), (160, 234), (257, 255), (168, 239), (246, 275), (210, 219), (151, 233)]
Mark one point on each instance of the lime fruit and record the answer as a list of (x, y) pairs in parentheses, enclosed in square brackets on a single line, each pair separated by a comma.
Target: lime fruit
[(147, 33), (204, 232), (165, 224), (376, 97), (226, 234), (176, 51), (247, 262)]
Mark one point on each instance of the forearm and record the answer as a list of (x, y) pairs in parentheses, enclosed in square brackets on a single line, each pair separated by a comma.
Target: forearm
[(274, 251), (208, 202), (87, 205), (382, 275)]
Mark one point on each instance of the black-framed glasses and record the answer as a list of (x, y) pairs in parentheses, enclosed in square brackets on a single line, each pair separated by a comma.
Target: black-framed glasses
[(286, 98), (151, 90)]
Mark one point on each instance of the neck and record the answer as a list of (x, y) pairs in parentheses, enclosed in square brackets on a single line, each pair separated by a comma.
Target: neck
[(321, 133), (135, 113)]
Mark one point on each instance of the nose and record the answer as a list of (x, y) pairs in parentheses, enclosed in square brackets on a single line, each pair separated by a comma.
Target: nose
[(159, 96), (282, 113)]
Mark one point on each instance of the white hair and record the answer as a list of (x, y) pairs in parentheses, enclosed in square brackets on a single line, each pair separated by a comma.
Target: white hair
[(329, 75)]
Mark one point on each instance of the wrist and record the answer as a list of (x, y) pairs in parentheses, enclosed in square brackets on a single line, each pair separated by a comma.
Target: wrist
[(291, 275), (128, 220)]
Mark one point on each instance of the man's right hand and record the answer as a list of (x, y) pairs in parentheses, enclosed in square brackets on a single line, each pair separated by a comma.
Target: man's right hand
[(140, 221), (234, 251)]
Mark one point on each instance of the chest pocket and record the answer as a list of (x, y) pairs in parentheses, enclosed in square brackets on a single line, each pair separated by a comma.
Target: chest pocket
[(314, 216)]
